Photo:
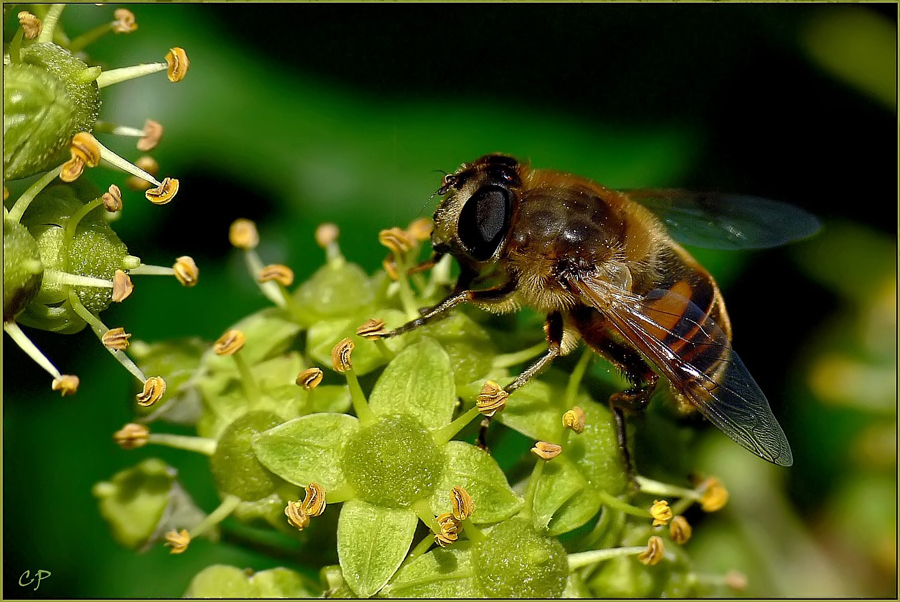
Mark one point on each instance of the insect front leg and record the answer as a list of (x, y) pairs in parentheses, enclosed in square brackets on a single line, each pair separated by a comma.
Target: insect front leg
[(553, 327)]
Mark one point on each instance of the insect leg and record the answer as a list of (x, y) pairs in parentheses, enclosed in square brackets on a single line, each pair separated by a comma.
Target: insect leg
[(553, 327)]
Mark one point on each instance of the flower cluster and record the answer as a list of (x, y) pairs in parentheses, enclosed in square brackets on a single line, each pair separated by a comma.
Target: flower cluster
[(304, 402), (63, 263)]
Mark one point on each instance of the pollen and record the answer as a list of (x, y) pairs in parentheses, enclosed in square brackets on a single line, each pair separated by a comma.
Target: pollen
[(116, 338), (178, 64), (714, 496), (125, 22), (297, 518), (112, 199), (277, 272), (31, 25), (163, 193), (545, 450), (154, 389), (230, 343), (462, 503), (242, 234), (340, 356), (132, 436), (153, 131), (574, 419), (122, 286), (680, 530), (310, 378), (371, 330), (661, 513), (186, 271), (67, 384), (314, 502), (492, 399), (654, 552), (178, 541)]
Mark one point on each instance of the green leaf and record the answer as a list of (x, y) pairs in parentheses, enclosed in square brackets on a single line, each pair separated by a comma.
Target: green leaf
[(576, 588), (223, 581), (535, 411), (563, 500), (329, 398), (441, 573), (270, 332), (307, 449), (478, 473), (234, 464), (469, 346), (596, 451), (418, 382), (372, 543)]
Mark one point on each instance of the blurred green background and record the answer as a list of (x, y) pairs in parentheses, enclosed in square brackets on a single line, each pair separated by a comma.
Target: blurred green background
[(292, 115)]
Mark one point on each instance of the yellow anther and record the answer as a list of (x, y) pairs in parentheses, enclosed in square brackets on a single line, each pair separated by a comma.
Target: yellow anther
[(461, 503), (153, 131), (277, 272), (371, 329), (112, 199), (736, 580), (390, 268), (310, 378), (296, 516), (449, 530), (420, 229), (680, 530), (186, 271), (154, 389), (178, 541), (230, 343), (314, 502), (145, 163), (71, 170), (661, 513), (178, 64), (122, 286), (545, 450), (124, 22), (574, 419), (713, 495), (163, 193), (327, 234), (243, 234), (492, 399), (67, 384), (340, 356), (85, 147), (31, 25), (396, 240), (654, 552), (116, 338), (132, 436)]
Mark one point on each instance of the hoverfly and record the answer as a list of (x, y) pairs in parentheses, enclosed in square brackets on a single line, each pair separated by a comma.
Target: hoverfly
[(605, 267)]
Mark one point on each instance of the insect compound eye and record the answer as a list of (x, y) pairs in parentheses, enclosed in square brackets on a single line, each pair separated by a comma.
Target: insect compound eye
[(483, 221)]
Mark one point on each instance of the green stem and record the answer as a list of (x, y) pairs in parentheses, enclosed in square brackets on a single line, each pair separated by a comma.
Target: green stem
[(100, 329), (115, 76), (511, 359), (583, 559), (616, 503), (23, 201), (15, 47), (269, 289), (445, 433), (385, 350), (151, 270), (421, 547), (55, 277), (49, 23), (82, 41), (532, 488), (423, 511), (22, 340), (341, 494), (577, 375), (407, 297), (472, 532), (360, 404), (201, 445), (251, 387), (657, 488), (216, 516)]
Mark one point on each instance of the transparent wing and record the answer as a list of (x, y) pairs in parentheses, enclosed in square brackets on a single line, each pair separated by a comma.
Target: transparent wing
[(688, 348), (727, 221)]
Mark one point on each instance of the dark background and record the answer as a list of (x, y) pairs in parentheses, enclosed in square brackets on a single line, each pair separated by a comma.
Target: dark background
[(297, 114)]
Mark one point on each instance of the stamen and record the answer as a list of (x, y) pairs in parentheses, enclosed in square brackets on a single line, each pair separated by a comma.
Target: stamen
[(178, 64), (163, 193), (297, 518), (492, 399), (71, 170), (117, 161), (230, 343), (243, 234), (341, 356), (112, 199), (342, 362), (125, 22), (449, 530), (281, 274), (122, 286), (314, 502), (65, 278), (116, 338), (396, 240), (654, 552), (326, 237), (583, 559), (310, 378), (154, 389), (461, 503), (545, 450), (31, 25), (116, 76), (201, 445), (178, 541), (371, 330), (680, 530), (420, 229), (67, 384), (85, 147), (25, 344), (714, 496), (132, 436), (186, 271), (574, 419), (661, 513), (22, 203)]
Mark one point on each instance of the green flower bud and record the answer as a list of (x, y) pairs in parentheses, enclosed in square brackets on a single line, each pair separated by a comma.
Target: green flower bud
[(234, 465), (514, 561), (94, 251), (393, 462), (22, 269), (48, 97)]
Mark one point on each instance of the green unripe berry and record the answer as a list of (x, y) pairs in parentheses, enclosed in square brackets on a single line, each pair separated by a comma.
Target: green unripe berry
[(514, 561), (48, 97), (393, 462), (22, 269), (234, 465)]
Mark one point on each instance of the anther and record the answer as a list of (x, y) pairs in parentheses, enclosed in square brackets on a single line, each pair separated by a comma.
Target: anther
[(132, 436), (574, 419), (326, 234), (116, 338), (310, 378), (396, 240), (371, 330), (340, 356), (125, 22), (243, 234), (714, 496), (680, 530), (314, 502), (85, 147), (153, 131), (67, 384), (178, 64), (230, 343), (661, 513), (461, 503), (163, 193), (178, 541), (186, 271), (297, 518), (421, 228), (654, 552), (30, 24), (154, 389), (492, 399), (545, 450), (112, 199), (122, 286), (277, 272)]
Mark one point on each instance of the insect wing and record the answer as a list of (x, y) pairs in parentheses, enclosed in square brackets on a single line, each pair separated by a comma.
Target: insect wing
[(689, 349), (727, 221)]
